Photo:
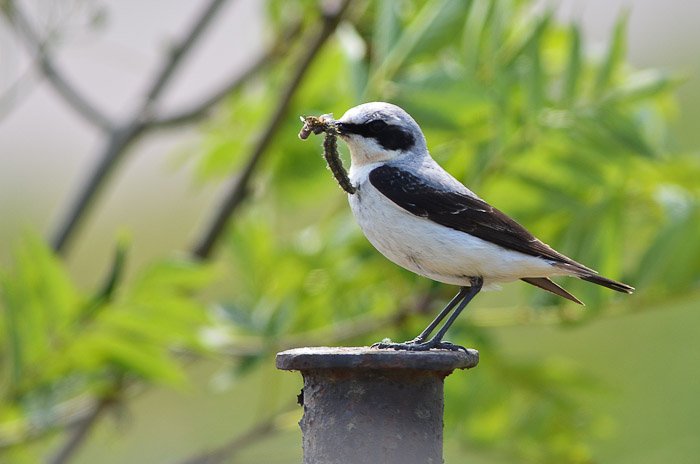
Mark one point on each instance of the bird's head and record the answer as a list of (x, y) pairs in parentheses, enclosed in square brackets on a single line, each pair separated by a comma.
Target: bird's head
[(378, 131)]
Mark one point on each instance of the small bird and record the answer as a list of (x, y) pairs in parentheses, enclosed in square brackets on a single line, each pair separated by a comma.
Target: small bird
[(423, 219)]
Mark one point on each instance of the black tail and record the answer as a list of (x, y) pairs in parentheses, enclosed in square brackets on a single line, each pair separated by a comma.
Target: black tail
[(609, 283), (546, 284)]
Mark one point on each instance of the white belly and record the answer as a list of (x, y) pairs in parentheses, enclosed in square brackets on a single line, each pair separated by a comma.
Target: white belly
[(435, 251)]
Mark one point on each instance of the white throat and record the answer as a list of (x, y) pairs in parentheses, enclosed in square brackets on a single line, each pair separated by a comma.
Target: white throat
[(369, 152)]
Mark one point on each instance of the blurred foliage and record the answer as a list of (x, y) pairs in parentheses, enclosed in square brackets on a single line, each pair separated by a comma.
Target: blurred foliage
[(60, 346), (573, 144)]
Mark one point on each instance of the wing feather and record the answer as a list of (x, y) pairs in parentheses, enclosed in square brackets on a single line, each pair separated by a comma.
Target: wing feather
[(463, 212)]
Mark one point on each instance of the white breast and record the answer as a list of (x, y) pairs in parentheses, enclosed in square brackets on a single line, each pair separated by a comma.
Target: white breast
[(432, 250)]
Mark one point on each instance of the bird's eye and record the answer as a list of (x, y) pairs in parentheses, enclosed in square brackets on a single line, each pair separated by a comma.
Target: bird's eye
[(376, 125)]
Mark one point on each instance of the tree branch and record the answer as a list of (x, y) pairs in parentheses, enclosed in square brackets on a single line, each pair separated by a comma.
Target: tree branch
[(114, 149), (202, 108), (238, 190), (120, 138), (80, 433), (180, 51), (21, 87), (24, 29), (253, 435)]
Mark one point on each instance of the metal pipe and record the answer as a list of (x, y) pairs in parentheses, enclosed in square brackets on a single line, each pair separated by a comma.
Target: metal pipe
[(365, 405)]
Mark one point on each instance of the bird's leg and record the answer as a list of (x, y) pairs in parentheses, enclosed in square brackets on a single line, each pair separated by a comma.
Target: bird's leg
[(463, 291), (465, 295), (436, 341)]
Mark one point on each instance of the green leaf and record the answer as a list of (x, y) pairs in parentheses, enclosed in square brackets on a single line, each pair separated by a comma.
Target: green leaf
[(387, 26), (572, 74), (536, 80), (643, 85), (477, 23), (625, 131), (106, 293), (613, 58), (671, 262), (527, 39), (148, 362), (429, 25), (39, 302), (173, 275), (355, 51)]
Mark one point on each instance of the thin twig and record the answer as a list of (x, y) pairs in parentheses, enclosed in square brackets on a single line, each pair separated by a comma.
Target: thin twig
[(87, 109), (238, 190), (62, 416), (120, 138), (253, 435), (80, 432), (202, 108), (180, 51), (21, 87), (115, 147)]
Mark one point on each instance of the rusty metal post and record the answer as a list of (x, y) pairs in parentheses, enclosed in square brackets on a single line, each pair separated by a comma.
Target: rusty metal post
[(364, 405)]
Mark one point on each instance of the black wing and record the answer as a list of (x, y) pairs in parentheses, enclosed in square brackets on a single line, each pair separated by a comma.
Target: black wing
[(461, 212)]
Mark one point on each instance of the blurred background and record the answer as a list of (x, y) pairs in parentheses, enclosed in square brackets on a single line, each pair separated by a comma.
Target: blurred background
[(164, 232)]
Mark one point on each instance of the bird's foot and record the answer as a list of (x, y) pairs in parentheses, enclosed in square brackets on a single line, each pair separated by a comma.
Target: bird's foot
[(418, 345)]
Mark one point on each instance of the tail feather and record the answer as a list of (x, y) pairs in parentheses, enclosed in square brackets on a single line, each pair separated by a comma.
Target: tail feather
[(582, 272), (545, 284), (609, 283)]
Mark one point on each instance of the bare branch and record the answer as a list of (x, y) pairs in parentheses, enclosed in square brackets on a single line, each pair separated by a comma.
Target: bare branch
[(225, 452), (80, 433), (23, 27), (201, 109), (180, 51), (21, 87), (114, 149), (65, 415), (238, 189), (120, 138)]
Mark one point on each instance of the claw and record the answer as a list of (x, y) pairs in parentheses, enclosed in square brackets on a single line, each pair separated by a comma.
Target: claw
[(413, 345), (383, 344), (451, 347)]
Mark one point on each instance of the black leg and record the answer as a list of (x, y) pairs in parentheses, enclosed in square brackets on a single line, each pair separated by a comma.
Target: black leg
[(463, 291), (475, 288), (465, 295)]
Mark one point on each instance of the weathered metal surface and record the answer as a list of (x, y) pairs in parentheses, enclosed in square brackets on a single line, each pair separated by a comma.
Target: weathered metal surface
[(369, 406), (364, 357)]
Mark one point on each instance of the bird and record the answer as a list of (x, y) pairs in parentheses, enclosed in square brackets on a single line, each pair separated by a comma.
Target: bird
[(423, 219)]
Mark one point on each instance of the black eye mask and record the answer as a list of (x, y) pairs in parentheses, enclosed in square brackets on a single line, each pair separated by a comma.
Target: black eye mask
[(388, 136)]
